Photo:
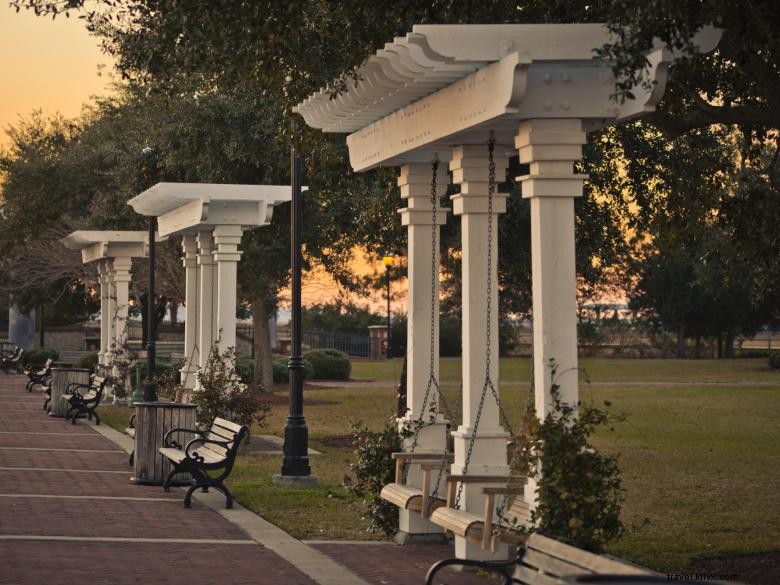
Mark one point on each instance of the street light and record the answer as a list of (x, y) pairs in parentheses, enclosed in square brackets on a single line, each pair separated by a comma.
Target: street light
[(150, 385), (388, 260)]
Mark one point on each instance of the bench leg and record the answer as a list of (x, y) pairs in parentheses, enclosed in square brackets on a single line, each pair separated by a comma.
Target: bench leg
[(167, 483), (188, 496), (228, 496)]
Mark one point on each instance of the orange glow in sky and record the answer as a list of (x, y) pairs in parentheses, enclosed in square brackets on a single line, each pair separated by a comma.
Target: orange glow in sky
[(45, 64)]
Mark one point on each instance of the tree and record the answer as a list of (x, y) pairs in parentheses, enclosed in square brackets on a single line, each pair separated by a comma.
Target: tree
[(294, 48)]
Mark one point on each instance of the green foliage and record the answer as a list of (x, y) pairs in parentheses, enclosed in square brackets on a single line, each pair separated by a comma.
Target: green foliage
[(329, 364), (222, 394), (774, 360), (89, 361), (245, 368), (37, 357), (578, 491), (282, 373), (372, 469)]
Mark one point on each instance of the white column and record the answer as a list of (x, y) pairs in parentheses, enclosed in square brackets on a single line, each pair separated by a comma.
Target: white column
[(122, 289), (110, 312), (104, 317), (470, 168), (122, 268), (552, 147), (191, 358), (207, 297), (423, 229), (226, 255)]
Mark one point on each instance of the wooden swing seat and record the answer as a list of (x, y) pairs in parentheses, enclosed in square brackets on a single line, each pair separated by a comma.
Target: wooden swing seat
[(408, 497), (480, 530)]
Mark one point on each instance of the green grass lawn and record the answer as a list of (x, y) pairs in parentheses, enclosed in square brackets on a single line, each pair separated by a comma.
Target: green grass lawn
[(699, 461)]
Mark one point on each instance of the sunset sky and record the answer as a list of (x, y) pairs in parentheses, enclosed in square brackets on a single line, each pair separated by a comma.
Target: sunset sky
[(47, 65)]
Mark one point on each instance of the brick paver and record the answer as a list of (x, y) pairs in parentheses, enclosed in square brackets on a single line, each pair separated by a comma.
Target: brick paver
[(79, 563), (52, 562), (387, 564), (91, 465)]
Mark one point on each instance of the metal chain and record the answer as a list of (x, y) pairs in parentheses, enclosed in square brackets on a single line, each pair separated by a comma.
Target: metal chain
[(419, 423), (503, 506), (488, 383)]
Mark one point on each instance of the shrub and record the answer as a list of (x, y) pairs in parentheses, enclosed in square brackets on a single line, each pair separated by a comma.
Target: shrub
[(282, 374), (222, 393), (89, 361), (37, 357), (578, 490), (774, 360), (373, 469), (245, 368), (329, 364)]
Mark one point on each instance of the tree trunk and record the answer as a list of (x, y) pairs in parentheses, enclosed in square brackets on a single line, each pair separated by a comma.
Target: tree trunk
[(729, 350), (261, 341), (697, 349), (720, 345), (160, 310), (42, 334), (681, 342)]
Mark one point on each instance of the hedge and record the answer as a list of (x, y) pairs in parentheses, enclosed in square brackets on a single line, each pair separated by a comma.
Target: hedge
[(329, 364)]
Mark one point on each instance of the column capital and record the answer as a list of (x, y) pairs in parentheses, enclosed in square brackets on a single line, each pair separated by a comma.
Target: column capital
[(551, 147), (189, 244), (205, 241), (469, 166)]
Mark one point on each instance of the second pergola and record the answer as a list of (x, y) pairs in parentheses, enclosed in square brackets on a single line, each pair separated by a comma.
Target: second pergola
[(210, 218)]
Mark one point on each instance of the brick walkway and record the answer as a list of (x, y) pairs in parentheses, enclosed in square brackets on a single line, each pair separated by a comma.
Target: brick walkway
[(69, 515), (38, 521)]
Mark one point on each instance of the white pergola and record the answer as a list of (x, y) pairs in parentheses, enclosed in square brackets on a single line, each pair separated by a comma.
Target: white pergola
[(211, 219), (440, 93), (112, 252)]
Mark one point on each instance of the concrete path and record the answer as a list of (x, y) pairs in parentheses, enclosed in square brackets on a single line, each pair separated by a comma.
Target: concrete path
[(69, 515)]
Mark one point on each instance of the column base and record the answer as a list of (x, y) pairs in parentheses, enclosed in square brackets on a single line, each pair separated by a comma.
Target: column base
[(474, 552), (403, 538)]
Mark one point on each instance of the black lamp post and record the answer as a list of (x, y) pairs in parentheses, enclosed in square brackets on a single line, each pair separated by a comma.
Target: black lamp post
[(150, 386), (295, 464), (388, 260)]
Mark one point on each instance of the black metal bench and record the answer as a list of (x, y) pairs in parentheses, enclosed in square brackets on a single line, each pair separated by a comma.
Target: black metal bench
[(212, 450), (546, 561), (38, 375), (84, 399), (11, 361)]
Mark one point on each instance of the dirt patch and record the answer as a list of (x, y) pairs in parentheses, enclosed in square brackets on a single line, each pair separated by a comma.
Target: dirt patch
[(755, 569), (258, 445)]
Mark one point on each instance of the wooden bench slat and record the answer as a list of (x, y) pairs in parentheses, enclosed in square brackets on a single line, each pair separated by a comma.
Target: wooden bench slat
[(226, 424), (588, 561), (531, 576), (458, 522), (553, 566)]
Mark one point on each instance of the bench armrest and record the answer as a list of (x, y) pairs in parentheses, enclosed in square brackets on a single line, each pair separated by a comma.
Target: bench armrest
[(190, 450), (168, 442), (484, 478), (423, 459)]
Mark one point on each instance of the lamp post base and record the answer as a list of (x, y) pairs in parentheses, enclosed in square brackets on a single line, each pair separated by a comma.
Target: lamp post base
[(297, 481)]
